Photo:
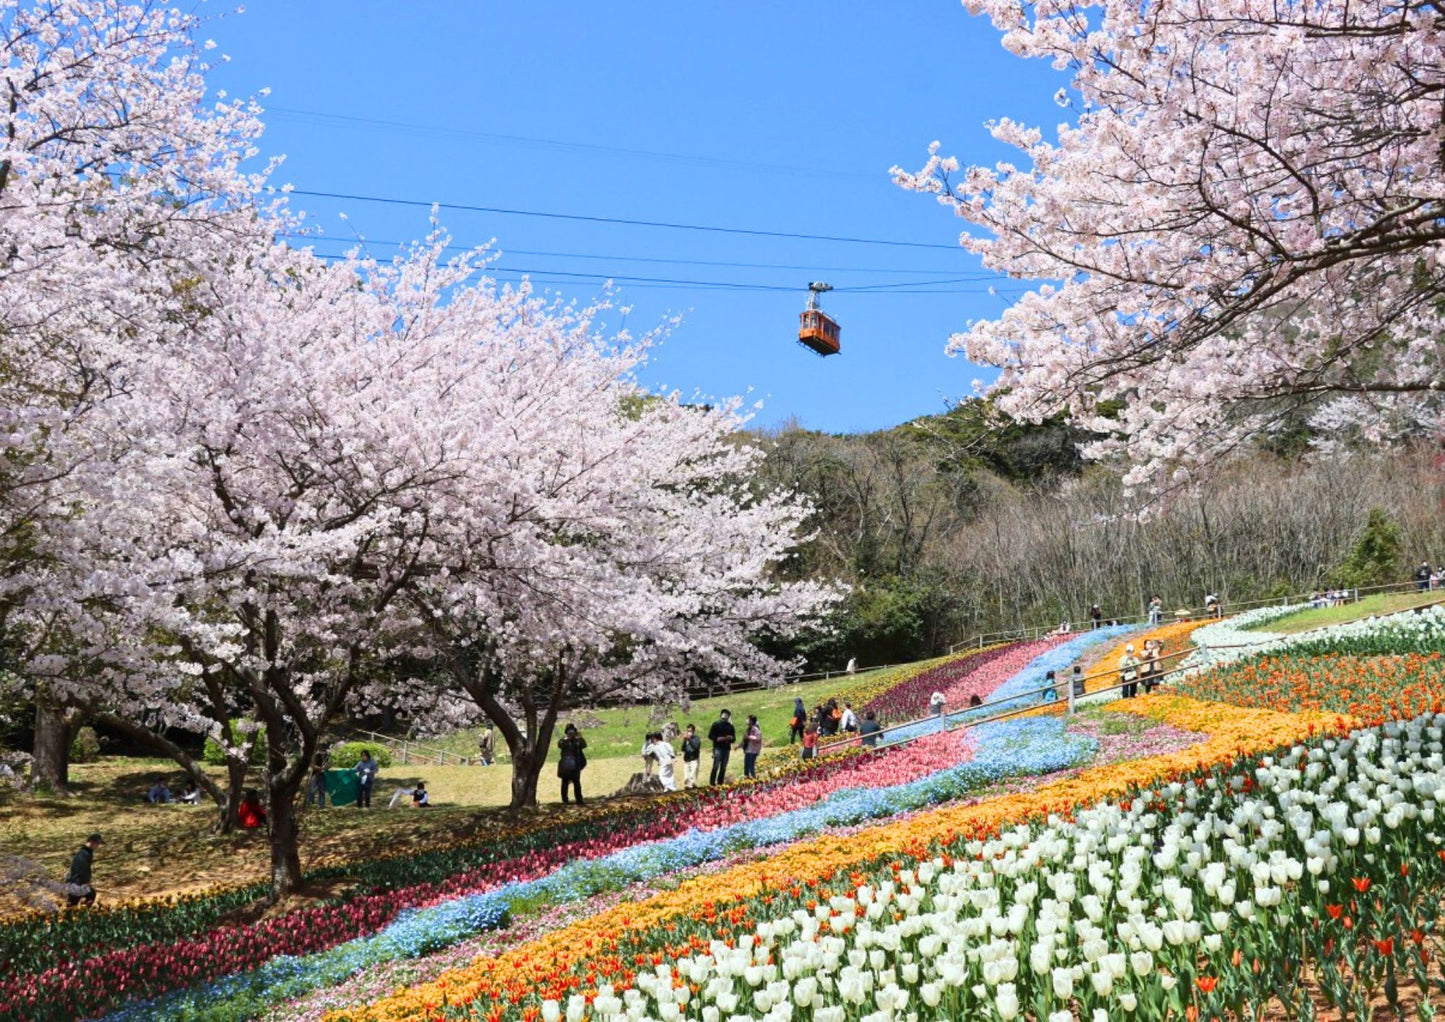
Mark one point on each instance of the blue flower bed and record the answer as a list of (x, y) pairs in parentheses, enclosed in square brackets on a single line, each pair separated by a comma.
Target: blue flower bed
[(1059, 659), (1005, 749)]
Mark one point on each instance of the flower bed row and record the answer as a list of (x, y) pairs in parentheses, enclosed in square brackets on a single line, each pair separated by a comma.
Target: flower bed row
[(1373, 689), (909, 699), (1225, 892), (1409, 631), (69, 985), (1006, 749), (1009, 682), (597, 950)]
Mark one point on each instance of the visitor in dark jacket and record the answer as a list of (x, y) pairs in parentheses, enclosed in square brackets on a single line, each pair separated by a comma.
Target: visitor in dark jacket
[(691, 754), (722, 734), (573, 761), (78, 879)]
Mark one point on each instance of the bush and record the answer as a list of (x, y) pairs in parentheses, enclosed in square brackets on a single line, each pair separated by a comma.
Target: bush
[(348, 754), (214, 754), (85, 746)]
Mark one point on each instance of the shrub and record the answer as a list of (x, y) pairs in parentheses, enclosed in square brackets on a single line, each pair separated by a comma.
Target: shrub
[(348, 754), (85, 746), (214, 754)]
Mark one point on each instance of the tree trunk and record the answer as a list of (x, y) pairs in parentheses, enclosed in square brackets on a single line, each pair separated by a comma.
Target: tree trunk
[(235, 788), (285, 844), (55, 728), (526, 769)]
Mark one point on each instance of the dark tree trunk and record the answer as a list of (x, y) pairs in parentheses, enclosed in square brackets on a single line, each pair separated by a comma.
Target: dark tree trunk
[(285, 843), (55, 728), (526, 770), (283, 783), (230, 806)]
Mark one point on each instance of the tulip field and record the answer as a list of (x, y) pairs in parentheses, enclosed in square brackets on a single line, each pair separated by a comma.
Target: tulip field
[(1258, 840)]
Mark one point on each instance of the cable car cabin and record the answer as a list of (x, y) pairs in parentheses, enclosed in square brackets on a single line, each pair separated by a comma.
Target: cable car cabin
[(819, 331)]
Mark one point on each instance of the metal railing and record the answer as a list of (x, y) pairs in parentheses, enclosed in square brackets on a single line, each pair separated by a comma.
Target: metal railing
[(409, 751)]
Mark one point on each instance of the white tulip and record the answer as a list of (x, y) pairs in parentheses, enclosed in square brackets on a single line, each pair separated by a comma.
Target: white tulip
[(1006, 1002)]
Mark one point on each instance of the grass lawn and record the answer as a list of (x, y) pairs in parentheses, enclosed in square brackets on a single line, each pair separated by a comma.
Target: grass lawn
[(617, 732), (1319, 617)]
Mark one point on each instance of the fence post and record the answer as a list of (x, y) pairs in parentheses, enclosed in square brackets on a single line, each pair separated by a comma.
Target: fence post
[(1069, 684), (403, 753)]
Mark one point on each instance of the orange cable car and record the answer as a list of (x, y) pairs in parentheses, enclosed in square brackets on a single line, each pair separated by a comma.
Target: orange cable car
[(817, 329)]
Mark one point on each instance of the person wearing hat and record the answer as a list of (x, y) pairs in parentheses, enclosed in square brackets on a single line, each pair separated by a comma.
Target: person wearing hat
[(1129, 671), (573, 760), (78, 879)]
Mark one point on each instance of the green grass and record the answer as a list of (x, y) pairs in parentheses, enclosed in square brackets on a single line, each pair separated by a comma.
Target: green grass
[(1319, 617), (617, 732)]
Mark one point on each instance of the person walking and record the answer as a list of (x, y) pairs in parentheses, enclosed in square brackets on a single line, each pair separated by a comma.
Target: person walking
[(691, 753), (572, 761), (316, 790), (800, 719), (722, 734), (79, 879), (1129, 671), (869, 729), (486, 744), (752, 746), (365, 773)]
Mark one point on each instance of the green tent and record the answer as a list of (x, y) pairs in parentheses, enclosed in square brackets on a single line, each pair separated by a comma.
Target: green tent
[(342, 787)]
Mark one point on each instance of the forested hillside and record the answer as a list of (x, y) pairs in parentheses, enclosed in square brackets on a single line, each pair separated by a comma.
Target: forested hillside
[(949, 525)]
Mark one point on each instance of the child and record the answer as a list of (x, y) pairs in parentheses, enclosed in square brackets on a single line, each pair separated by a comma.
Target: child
[(810, 740), (419, 798)]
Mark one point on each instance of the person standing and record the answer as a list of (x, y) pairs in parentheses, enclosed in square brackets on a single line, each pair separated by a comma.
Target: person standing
[(936, 703), (486, 743), (869, 729), (316, 790), (1096, 617), (663, 754), (365, 771), (800, 719), (691, 754), (1153, 665), (752, 746), (1156, 609), (810, 740), (722, 734), (1422, 576), (1129, 671), (78, 879), (572, 761)]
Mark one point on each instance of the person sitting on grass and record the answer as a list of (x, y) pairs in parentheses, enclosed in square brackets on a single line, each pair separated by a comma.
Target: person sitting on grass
[(159, 794), (419, 798), (191, 795), (251, 813)]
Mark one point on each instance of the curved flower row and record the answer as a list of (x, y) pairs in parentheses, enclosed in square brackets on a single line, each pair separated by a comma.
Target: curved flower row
[(78, 984), (1174, 638), (955, 678), (585, 954), (1150, 906), (1009, 682), (1409, 631), (1006, 749), (1373, 689)]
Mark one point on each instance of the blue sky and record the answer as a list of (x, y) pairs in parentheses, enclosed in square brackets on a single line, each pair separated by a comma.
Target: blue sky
[(772, 116)]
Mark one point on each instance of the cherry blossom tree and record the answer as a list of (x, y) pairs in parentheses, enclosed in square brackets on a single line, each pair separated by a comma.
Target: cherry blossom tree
[(115, 180), (1241, 226), (611, 545)]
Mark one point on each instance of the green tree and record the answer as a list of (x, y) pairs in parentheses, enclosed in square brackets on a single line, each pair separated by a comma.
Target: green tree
[(1375, 557)]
